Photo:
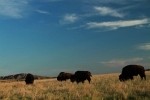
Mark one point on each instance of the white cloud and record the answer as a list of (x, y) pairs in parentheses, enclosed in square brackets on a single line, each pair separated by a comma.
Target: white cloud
[(69, 18), (145, 46), (106, 11), (13, 8), (118, 24), (122, 62), (43, 12)]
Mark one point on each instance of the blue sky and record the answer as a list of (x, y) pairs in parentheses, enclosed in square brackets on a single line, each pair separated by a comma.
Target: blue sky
[(48, 36)]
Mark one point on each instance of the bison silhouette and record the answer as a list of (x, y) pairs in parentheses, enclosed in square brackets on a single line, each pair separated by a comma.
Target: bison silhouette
[(29, 79), (81, 76), (63, 76), (132, 70)]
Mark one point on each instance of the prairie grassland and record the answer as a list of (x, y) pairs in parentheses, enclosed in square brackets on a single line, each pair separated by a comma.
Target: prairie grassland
[(102, 87)]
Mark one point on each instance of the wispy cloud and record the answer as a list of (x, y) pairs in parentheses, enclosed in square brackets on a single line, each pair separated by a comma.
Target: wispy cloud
[(69, 18), (13, 8), (104, 1), (122, 62), (118, 24), (113, 1), (43, 12), (144, 46), (106, 11)]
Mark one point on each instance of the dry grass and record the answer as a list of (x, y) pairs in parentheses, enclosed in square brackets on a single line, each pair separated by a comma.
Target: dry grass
[(102, 87)]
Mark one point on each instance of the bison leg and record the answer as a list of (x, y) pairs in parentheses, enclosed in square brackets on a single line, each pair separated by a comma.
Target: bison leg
[(143, 75), (89, 79), (82, 81), (77, 81), (131, 77)]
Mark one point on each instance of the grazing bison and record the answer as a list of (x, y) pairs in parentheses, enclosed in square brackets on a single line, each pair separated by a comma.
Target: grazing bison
[(132, 70), (81, 76), (29, 79), (63, 76)]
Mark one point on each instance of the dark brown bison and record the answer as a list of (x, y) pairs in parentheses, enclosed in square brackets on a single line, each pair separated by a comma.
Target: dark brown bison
[(81, 76), (132, 70), (63, 76), (29, 79)]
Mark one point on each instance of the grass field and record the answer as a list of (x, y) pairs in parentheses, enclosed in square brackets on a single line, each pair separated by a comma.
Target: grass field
[(102, 87)]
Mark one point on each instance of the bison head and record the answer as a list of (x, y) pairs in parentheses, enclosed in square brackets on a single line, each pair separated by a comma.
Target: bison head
[(121, 77), (58, 78), (125, 77)]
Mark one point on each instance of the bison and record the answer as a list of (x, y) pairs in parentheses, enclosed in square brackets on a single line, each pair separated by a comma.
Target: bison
[(132, 70), (29, 79), (63, 76), (81, 76)]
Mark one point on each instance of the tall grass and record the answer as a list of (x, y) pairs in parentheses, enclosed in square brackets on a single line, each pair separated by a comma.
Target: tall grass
[(102, 87)]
